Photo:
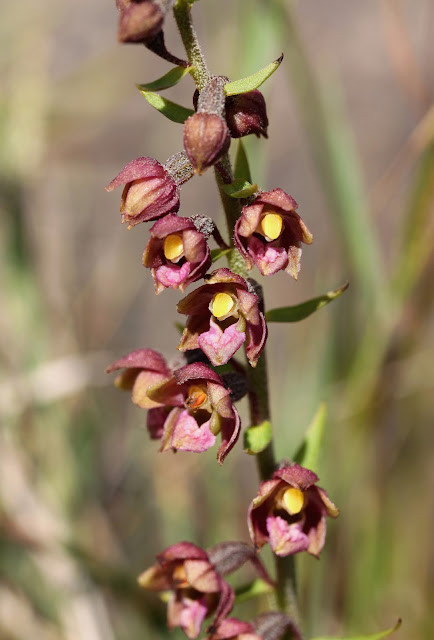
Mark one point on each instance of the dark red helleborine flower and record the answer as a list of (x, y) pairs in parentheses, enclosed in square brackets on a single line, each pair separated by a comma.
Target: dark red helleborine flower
[(197, 589), (290, 512), (269, 233), (176, 253), (192, 420), (150, 192), (234, 629), (222, 315)]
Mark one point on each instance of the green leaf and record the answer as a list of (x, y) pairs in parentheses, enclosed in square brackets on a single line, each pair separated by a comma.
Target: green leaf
[(256, 588), (369, 636), (305, 309), (308, 453), (257, 438), (216, 254), (169, 79), (240, 189), (252, 82), (171, 110), (242, 169)]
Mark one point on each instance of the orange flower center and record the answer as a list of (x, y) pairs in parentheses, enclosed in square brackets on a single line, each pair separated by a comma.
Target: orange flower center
[(173, 247), (271, 226)]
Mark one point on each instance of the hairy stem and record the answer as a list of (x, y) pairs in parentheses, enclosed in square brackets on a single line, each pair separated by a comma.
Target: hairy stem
[(200, 73)]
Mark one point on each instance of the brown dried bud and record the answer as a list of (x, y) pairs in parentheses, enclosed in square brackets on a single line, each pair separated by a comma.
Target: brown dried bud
[(206, 139), (246, 114)]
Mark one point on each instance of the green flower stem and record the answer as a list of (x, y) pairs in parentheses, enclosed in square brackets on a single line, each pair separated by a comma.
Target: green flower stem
[(258, 397), (200, 73)]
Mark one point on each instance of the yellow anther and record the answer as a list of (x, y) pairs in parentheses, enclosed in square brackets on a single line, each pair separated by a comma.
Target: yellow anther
[(271, 226), (293, 500), (173, 246), (221, 305), (196, 397)]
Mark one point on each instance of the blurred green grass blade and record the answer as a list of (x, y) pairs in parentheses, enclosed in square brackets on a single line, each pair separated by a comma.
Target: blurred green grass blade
[(370, 636), (252, 82), (308, 453), (170, 79), (335, 156), (417, 235), (242, 168), (257, 588), (173, 111), (305, 309), (216, 254)]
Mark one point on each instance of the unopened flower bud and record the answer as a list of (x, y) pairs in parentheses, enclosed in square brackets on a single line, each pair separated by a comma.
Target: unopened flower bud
[(206, 139), (140, 20), (246, 113)]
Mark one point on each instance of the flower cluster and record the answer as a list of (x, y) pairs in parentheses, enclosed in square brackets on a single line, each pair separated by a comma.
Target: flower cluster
[(190, 404)]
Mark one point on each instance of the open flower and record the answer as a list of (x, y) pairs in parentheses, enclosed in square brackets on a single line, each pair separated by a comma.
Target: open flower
[(269, 233), (197, 589), (290, 512), (150, 191), (222, 315), (176, 253), (196, 407)]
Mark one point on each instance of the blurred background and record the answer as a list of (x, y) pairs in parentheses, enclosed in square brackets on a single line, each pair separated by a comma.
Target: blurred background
[(85, 501)]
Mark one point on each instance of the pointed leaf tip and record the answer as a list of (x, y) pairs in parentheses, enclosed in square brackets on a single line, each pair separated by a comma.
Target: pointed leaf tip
[(305, 309), (252, 82), (240, 189)]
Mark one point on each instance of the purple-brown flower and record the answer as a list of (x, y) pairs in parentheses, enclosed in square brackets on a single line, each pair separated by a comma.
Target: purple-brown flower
[(149, 193), (197, 589), (222, 315), (234, 629), (269, 233), (176, 253), (290, 512), (246, 113), (141, 369), (195, 408)]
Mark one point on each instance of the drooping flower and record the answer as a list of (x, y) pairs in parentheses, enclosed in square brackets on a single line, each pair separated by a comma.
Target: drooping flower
[(222, 315), (290, 512), (269, 233), (203, 410), (176, 253), (150, 191), (197, 589), (141, 369), (246, 113)]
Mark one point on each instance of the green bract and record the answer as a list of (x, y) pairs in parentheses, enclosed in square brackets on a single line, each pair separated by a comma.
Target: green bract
[(171, 110), (257, 438), (170, 79), (252, 82), (308, 453)]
